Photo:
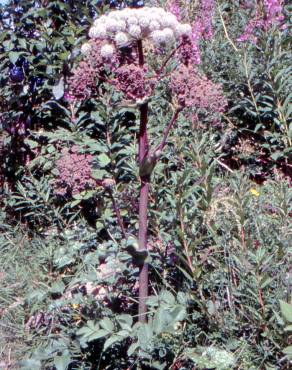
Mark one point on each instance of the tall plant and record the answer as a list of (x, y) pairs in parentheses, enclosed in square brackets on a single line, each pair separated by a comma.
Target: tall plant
[(132, 51)]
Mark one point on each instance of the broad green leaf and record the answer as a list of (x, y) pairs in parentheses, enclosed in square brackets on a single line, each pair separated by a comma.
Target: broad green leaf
[(62, 362), (14, 55), (286, 310), (112, 340), (133, 347), (103, 160), (288, 351), (107, 324), (125, 321)]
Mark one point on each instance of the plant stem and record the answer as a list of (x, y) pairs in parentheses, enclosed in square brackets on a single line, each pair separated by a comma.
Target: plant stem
[(118, 214), (167, 130), (143, 201)]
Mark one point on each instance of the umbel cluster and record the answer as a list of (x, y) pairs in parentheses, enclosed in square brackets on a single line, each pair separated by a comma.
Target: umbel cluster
[(122, 27)]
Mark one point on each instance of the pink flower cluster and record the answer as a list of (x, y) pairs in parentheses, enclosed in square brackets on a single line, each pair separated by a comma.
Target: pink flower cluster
[(131, 80), (82, 83), (202, 26), (267, 13), (273, 12), (196, 91), (84, 78), (174, 8), (201, 29), (74, 172)]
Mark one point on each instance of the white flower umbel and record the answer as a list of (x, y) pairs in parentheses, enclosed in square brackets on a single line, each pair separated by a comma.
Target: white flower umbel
[(183, 29), (122, 27), (107, 51), (158, 37), (121, 39), (111, 25), (144, 22), (85, 48), (132, 20), (154, 26), (169, 20), (97, 32), (168, 35), (135, 31)]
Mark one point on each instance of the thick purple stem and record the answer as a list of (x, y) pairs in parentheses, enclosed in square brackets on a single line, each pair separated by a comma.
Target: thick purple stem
[(143, 209), (143, 201)]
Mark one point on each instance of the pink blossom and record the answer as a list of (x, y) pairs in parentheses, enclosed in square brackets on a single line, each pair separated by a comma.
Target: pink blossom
[(131, 80), (196, 91), (202, 27), (74, 172), (189, 52), (85, 77), (174, 7), (266, 14)]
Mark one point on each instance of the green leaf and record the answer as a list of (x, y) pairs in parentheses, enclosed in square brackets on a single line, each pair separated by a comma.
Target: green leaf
[(111, 340), (58, 90), (13, 56), (103, 160), (91, 331), (125, 321), (98, 174), (288, 328), (288, 351), (101, 333), (30, 364), (107, 324), (167, 297), (99, 226), (133, 347), (62, 362), (58, 287), (286, 310), (210, 358), (31, 143)]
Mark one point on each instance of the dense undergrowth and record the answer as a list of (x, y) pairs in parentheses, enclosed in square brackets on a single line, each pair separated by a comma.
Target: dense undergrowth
[(219, 207)]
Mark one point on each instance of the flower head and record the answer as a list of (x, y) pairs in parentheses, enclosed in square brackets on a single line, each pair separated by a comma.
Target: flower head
[(107, 51), (85, 48), (196, 91), (127, 25), (74, 172), (130, 79), (121, 39), (97, 32)]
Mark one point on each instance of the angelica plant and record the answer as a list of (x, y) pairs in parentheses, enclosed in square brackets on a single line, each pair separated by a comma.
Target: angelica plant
[(119, 52)]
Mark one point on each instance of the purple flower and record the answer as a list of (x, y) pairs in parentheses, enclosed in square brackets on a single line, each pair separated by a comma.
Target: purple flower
[(74, 173), (196, 91), (266, 14), (202, 27)]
